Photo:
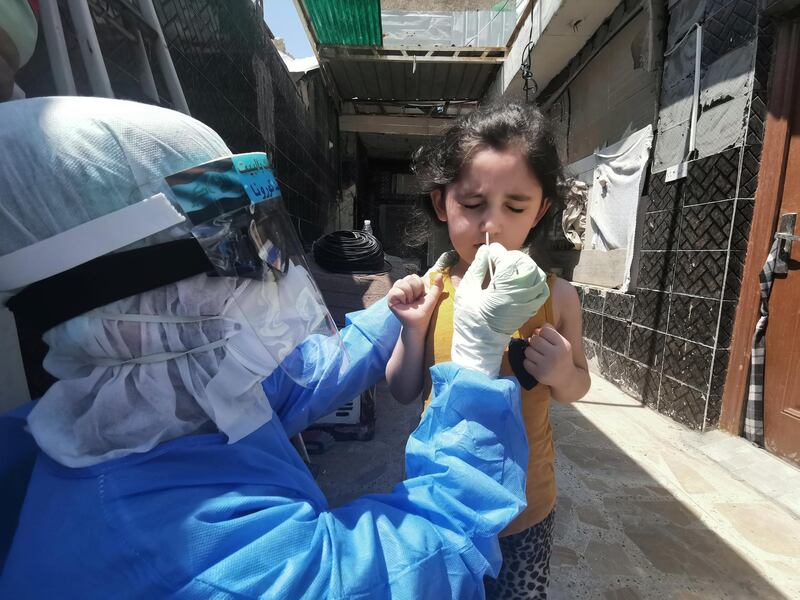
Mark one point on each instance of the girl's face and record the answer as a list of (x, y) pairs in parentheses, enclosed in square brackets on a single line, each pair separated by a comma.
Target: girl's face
[(495, 193)]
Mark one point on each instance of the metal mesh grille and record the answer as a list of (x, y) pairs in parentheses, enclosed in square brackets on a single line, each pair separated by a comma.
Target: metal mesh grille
[(235, 81)]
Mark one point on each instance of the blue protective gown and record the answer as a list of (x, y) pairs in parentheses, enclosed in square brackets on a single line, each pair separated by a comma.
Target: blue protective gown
[(200, 518)]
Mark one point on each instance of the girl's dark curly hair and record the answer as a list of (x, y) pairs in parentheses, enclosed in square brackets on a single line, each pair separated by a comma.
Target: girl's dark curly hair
[(499, 127)]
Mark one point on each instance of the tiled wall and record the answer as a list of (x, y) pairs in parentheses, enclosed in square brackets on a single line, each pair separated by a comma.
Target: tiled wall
[(668, 344)]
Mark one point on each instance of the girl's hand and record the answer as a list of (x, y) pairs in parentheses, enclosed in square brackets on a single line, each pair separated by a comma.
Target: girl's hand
[(412, 300), (548, 357)]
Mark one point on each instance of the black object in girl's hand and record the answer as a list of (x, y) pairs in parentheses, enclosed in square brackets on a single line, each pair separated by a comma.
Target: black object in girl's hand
[(516, 356)]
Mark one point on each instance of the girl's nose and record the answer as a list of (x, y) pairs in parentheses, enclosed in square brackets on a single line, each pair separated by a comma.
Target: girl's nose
[(491, 229), (491, 225)]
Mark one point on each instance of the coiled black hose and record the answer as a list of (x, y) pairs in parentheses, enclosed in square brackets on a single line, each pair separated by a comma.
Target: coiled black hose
[(356, 252)]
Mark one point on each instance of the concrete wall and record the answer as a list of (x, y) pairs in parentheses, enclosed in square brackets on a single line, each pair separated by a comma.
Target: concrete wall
[(613, 95), (608, 90), (558, 30)]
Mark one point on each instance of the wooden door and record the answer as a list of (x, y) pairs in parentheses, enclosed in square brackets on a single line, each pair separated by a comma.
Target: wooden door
[(782, 366), (778, 193)]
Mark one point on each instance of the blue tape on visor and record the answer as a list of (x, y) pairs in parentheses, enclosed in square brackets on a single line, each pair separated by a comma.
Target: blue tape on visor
[(223, 185)]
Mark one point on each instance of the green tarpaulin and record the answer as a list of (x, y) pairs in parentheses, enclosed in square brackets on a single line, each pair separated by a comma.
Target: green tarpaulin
[(346, 22)]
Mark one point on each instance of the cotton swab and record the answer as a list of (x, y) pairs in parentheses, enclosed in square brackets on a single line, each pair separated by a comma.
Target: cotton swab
[(491, 271)]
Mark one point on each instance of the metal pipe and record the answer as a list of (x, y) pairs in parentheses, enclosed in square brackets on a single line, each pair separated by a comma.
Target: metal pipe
[(90, 48), (57, 48), (164, 58), (145, 72)]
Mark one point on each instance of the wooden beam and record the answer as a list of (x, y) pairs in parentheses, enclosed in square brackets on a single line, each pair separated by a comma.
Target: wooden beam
[(420, 54), (391, 124), (409, 108)]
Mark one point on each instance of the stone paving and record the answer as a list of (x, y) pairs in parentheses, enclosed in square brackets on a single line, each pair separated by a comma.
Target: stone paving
[(645, 512), (646, 509)]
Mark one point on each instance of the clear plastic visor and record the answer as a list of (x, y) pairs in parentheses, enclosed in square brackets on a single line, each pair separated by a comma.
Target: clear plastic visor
[(234, 210)]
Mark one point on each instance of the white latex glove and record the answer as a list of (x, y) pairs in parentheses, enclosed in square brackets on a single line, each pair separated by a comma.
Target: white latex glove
[(485, 319)]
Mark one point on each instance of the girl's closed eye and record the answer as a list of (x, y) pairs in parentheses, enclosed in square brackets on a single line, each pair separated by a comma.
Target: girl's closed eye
[(519, 202), (472, 202)]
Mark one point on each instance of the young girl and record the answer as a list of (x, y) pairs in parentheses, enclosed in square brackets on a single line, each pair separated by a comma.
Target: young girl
[(497, 172)]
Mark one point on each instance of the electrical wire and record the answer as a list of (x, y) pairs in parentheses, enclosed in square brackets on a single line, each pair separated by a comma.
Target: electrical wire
[(356, 252), (680, 41), (529, 84), (569, 121)]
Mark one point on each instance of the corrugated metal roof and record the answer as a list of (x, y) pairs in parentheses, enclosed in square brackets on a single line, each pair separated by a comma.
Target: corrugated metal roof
[(396, 80), (346, 22)]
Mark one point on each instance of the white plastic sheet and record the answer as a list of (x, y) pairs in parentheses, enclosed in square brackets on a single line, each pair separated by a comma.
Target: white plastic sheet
[(479, 28), (614, 201)]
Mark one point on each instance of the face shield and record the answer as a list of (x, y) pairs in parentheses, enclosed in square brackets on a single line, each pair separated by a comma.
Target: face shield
[(225, 218), (233, 208)]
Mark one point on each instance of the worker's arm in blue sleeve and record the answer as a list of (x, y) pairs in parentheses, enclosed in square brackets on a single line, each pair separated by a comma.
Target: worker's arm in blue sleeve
[(368, 338), (198, 518), (433, 536)]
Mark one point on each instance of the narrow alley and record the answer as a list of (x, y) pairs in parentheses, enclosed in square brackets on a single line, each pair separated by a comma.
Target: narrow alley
[(643, 164)]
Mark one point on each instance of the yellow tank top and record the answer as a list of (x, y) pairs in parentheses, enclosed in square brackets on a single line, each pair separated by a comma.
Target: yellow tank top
[(541, 486)]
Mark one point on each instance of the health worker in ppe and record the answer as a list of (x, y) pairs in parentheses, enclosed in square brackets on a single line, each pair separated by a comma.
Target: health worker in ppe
[(189, 344)]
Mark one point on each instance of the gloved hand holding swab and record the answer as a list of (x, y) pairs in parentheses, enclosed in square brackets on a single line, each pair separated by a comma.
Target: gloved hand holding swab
[(485, 319)]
